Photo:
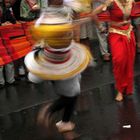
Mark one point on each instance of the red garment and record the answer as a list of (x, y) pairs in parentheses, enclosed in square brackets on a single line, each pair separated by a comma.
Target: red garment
[(5, 58), (14, 42), (122, 48), (105, 16), (136, 10)]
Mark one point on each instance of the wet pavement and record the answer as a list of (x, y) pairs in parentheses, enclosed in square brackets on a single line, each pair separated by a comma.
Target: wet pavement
[(97, 115)]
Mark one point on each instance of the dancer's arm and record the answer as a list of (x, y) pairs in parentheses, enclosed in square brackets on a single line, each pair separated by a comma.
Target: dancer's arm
[(102, 7)]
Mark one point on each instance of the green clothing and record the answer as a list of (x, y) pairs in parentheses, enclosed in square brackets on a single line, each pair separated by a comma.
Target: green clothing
[(26, 6)]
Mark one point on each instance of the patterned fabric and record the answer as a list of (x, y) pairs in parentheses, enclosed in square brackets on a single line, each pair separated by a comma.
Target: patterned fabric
[(13, 44), (39, 64), (4, 56)]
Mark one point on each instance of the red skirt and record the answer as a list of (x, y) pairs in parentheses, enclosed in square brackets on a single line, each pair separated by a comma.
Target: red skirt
[(123, 57)]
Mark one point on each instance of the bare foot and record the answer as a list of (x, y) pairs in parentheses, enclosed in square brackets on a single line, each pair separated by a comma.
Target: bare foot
[(119, 97)]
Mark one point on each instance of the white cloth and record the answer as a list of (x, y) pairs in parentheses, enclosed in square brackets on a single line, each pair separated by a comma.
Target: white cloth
[(69, 87), (87, 31)]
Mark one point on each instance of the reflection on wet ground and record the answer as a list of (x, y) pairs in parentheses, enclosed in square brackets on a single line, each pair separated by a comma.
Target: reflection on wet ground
[(97, 115)]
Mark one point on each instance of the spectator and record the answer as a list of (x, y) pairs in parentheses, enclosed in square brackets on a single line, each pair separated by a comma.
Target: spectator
[(102, 36), (137, 33)]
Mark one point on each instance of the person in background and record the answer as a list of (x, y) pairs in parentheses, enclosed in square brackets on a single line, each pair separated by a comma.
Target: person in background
[(30, 9), (7, 70), (24, 11), (16, 9), (136, 22), (7, 13), (87, 29), (102, 36), (1, 10), (137, 33)]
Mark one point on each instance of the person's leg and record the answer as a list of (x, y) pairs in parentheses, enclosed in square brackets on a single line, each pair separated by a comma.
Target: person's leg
[(20, 69), (70, 89), (137, 32), (66, 103), (10, 73), (119, 47), (69, 108), (103, 42), (2, 81), (46, 112), (84, 38), (138, 37), (16, 68), (57, 105), (65, 124), (86, 33), (130, 65)]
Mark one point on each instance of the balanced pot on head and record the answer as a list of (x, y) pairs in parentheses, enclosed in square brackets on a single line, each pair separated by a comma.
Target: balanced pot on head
[(55, 30)]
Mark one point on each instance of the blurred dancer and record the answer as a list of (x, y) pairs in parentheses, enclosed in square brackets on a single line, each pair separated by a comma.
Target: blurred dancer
[(122, 43), (60, 60)]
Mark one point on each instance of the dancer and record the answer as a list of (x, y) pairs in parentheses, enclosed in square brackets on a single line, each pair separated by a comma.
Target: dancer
[(61, 60), (122, 43)]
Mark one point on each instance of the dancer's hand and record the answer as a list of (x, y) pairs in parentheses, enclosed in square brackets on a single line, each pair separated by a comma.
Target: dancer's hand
[(35, 7), (102, 29)]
